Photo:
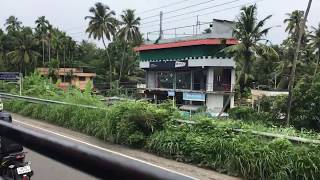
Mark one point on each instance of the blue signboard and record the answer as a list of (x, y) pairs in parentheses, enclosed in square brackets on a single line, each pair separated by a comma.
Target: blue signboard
[(9, 76), (171, 93), (193, 96)]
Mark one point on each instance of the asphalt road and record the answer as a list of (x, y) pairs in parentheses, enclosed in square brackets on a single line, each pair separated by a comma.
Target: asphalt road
[(47, 169)]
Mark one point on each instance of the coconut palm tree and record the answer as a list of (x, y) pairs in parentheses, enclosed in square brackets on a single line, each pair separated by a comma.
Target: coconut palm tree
[(13, 24), (25, 51), (315, 43), (249, 31), (129, 32), (58, 39), (295, 58), (293, 23), (42, 30), (129, 27), (102, 26)]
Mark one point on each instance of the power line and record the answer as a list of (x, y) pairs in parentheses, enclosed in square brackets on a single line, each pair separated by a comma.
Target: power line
[(191, 12), (164, 6), (233, 7), (186, 7), (217, 11)]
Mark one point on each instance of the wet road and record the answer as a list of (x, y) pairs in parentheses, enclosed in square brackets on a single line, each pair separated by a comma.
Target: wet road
[(48, 169)]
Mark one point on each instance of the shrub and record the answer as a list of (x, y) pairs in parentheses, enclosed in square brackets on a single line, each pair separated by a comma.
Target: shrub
[(243, 113), (243, 155)]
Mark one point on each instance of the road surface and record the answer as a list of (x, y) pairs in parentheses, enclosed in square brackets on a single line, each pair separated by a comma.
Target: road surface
[(48, 169)]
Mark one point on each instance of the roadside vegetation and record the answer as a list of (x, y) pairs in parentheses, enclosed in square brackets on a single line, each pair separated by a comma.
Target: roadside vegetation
[(209, 143)]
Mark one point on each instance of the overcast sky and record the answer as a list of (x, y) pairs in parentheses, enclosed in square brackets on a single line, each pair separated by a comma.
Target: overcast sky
[(69, 15)]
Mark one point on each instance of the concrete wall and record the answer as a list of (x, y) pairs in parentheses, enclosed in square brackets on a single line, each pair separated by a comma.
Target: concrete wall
[(214, 102), (144, 64), (212, 62)]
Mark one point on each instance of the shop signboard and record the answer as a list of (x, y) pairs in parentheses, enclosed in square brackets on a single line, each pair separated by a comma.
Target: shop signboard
[(194, 96)]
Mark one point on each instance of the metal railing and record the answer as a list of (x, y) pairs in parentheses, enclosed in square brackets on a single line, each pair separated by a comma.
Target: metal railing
[(44, 101), (104, 165), (266, 134), (38, 100), (197, 87)]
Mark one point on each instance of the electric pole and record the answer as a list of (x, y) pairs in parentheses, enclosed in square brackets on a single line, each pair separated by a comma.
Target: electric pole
[(161, 19), (197, 25)]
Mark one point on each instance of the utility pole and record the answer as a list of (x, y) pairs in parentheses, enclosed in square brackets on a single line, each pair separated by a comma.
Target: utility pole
[(161, 19), (197, 24)]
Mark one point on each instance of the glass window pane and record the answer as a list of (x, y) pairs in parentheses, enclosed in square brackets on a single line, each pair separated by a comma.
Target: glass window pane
[(184, 80), (165, 79)]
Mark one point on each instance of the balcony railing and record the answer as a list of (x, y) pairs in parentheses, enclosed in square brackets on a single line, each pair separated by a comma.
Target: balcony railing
[(221, 87)]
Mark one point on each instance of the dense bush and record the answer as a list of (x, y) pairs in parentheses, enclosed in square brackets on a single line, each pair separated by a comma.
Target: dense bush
[(127, 122), (237, 154), (243, 113), (306, 104)]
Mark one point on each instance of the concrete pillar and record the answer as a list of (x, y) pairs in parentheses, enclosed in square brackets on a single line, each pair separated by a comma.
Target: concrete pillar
[(191, 83), (233, 79), (232, 102), (210, 78)]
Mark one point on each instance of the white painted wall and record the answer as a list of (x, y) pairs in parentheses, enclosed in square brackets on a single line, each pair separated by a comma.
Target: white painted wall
[(214, 102), (144, 64), (212, 62)]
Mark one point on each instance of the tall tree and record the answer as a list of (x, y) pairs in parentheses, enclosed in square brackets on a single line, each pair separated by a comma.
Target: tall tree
[(42, 29), (58, 40), (129, 27), (13, 24), (315, 43), (102, 26), (249, 31), (293, 23), (294, 65), (129, 32), (25, 51)]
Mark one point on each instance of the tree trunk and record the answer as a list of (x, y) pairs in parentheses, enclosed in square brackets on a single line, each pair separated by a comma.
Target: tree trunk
[(317, 65), (64, 63), (121, 66), (49, 50), (43, 52), (294, 63), (110, 66)]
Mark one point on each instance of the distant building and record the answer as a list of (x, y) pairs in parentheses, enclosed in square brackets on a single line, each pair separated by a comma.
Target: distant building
[(191, 70), (70, 77)]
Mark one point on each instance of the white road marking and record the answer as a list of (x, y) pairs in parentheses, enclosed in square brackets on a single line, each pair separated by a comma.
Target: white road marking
[(98, 147)]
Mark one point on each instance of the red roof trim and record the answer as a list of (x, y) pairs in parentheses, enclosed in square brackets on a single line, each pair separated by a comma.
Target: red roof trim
[(185, 43)]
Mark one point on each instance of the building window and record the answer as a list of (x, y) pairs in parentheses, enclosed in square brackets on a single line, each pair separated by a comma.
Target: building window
[(183, 80), (82, 78), (65, 79), (165, 79)]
